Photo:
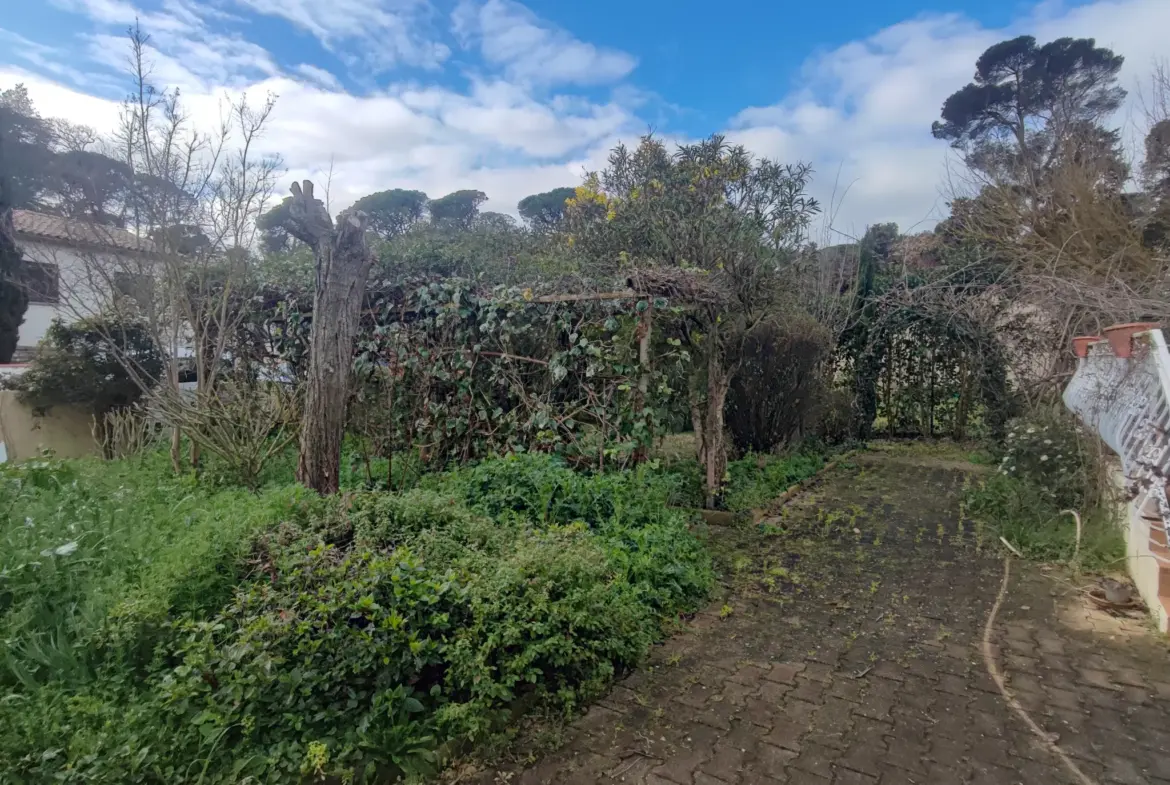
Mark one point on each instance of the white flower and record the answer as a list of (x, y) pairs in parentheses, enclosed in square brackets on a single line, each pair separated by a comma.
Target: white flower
[(1031, 430), (1048, 441), (1043, 458)]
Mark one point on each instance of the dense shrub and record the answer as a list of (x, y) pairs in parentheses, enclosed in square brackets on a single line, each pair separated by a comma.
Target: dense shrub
[(1047, 467), (1023, 513), (95, 553), (224, 637), (773, 399), (84, 363), (1048, 451), (543, 488)]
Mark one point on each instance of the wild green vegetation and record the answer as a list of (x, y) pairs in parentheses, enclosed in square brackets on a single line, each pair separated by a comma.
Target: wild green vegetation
[(362, 572), (1048, 468), (158, 629)]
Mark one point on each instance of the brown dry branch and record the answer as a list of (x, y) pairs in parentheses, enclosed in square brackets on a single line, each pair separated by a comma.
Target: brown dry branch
[(191, 221), (246, 425)]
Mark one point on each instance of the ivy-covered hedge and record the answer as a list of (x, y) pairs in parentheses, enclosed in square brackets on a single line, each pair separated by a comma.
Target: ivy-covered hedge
[(370, 635)]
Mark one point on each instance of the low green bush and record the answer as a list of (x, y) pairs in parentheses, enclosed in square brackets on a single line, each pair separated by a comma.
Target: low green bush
[(1049, 452), (1046, 468), (96, 553), (280, 637), (755, 480)]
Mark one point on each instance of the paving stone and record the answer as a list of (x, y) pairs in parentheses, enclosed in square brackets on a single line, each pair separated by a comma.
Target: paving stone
[(702, 778), (768, 696), (808, 690), (749, 675), (815, 759), (726, 762), (773, 692), (737, 694), (784, 672), (772, 760), (906, 753), (865, 757), (843, 776), (681, 767)]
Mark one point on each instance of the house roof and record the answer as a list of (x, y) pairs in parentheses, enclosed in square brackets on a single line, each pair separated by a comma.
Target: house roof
[(69, 231)]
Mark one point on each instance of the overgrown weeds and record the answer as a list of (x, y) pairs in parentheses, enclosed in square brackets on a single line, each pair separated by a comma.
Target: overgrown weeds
[(755, 480), (1022, 512), (1049, 466), (162, 630)]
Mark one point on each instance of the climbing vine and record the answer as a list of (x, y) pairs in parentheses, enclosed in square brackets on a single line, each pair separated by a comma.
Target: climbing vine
[(451, 371), (936, 374)]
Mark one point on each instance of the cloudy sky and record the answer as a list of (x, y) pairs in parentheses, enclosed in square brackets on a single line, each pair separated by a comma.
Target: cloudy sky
[(514, 98)]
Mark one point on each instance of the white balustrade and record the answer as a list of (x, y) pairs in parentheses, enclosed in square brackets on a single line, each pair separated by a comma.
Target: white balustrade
[(1126, 400)]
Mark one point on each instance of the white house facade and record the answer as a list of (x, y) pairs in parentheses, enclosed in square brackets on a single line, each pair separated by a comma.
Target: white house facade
[(62, 261)]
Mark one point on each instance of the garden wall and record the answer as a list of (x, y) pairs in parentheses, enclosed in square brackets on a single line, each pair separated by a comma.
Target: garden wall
[(64, 430)]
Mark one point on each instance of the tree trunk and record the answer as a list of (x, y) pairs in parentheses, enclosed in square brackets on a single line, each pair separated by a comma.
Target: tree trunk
[(643, 333), (930, 400), (13, 296), (342, 264), (697, 428), (714, 435)]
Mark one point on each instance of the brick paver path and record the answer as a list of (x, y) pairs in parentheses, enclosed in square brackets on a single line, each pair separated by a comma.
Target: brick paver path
[(846, 649)]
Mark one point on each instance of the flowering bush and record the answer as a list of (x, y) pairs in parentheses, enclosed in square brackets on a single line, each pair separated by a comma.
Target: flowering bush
[(1048, 452)]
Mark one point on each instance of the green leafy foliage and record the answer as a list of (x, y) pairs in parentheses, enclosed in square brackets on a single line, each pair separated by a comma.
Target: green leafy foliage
[(1046, 469), (94, 554), (756, 480), (458, 208), (392, 212), (162, 630), (545, 211), (13, 296), (1022, 512), (1048, 451), (102, 365)]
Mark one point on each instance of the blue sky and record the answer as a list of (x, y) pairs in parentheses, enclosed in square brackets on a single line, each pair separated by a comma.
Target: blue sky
[(514, 98)]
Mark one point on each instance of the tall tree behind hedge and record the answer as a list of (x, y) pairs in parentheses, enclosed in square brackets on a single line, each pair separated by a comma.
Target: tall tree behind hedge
[(712, 214), (1028, 102), (546, 210), (392, 212), (13, 297)]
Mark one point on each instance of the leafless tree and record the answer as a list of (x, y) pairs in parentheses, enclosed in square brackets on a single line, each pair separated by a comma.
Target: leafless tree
[(183, 265), (342, 261)]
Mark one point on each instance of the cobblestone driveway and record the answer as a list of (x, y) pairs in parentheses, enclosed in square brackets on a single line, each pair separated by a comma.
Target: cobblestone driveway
[(846, 649)]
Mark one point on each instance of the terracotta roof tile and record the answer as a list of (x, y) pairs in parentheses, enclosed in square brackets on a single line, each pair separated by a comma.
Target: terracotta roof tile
[(73, 232)]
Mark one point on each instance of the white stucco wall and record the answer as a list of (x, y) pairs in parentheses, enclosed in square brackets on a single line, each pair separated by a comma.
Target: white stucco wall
[(75, 300)]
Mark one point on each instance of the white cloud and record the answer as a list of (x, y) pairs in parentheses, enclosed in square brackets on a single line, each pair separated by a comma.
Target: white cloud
[(52, 99), (862, 112), (378, 34), (318, 76), (496, 138), (511, 36), (48, 60)]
